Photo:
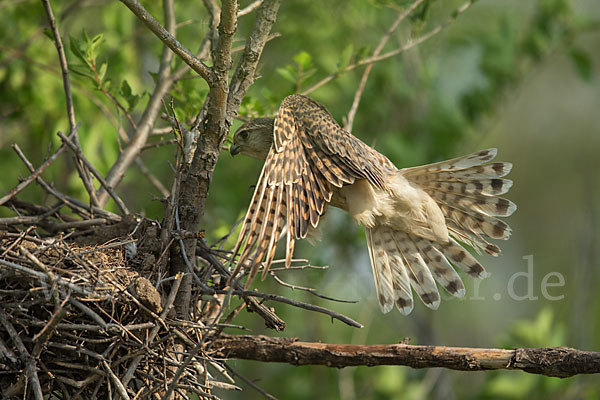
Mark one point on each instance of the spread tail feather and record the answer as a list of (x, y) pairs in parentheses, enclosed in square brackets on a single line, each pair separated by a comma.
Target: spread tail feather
[(465, 189), (400, 261)]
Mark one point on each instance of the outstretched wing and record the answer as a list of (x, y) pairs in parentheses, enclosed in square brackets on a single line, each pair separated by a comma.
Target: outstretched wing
[(310, 155)]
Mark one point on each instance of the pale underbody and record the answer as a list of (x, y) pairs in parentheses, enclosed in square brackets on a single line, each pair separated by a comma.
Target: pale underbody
[(404, 206)]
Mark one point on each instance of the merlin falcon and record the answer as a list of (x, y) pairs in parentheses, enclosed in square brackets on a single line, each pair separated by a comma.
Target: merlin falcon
[(414, 218)]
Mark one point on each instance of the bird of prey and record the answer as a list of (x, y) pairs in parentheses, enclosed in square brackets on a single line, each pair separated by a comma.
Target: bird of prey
[(413, 217)]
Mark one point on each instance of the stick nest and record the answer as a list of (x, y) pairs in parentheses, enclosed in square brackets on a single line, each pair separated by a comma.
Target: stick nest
[(81, 317)]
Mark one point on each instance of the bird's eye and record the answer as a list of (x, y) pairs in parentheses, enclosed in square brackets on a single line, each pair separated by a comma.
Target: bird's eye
[(243, 135)]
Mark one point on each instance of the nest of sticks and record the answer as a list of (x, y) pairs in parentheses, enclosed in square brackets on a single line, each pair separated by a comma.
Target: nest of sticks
[(84, 314)]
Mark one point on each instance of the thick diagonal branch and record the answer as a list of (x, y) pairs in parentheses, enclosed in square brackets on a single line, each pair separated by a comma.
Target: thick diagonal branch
[(552, 361), (168, 39)]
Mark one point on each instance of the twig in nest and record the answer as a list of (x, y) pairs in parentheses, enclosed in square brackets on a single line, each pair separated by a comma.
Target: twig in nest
[(23, 355), (188, 359), (44, 277), (168, 304), (43, 336), (118, 384)]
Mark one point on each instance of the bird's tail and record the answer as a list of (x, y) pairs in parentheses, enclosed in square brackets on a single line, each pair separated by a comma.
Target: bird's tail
[(464, 189)]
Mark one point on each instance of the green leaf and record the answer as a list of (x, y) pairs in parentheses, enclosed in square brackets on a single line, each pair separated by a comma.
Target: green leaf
[(303, 59), (583, 63), (93, 46), (128, 95), (287, 74), (363, 52), (126, 89), (102, 71), (154, 76), (82, 70), (85, 36), (75, 46), (49, 34), (346, 57)]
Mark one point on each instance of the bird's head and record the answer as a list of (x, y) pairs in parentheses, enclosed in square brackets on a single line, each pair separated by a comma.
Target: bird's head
[(253, 138)]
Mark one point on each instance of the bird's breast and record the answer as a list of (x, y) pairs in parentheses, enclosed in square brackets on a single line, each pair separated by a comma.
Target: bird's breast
[(403, 206)]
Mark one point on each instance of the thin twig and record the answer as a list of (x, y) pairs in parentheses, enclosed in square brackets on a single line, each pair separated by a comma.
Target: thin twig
[(168, 304), (392, 53), (85, 161), (63, 63), (285, 300), (250, 383), (163, 85), (64, 226), (309, 290), (271, 319), (363, 80), (74, 204), (29, 220), (154, 145), (188, 359), (224, 238), (44, 277), (249, 8), (36, 173), (249, 294), (83, 173), (43, 336), (118, 384)]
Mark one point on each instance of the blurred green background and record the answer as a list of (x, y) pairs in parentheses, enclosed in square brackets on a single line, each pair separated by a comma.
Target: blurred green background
[(520, 76)]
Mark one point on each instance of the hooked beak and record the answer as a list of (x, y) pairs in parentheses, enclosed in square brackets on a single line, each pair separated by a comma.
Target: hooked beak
[(234, 149)]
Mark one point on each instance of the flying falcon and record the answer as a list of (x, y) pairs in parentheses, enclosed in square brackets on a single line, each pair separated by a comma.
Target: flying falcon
[(413, 217)]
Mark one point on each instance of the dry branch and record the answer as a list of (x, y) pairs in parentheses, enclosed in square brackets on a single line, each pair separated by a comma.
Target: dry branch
[(552, 361), (23, 355)]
